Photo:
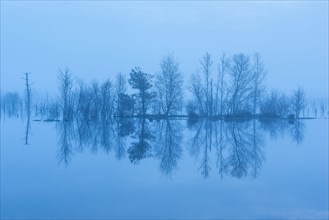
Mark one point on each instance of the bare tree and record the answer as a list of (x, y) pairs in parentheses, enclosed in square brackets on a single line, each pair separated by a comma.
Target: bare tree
[(223, 69), (322, 108), (241, 84), (66, 95), (28, 94), (315, 110), (298, 101), (95, 100), (11, 103), (206, 66), (124, 103), (169, 82), (275, 105), (259, 74), (28, 107), (107, 100), (198, 93)]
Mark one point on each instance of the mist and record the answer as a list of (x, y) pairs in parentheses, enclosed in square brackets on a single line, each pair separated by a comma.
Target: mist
[(164, 109), (96, 40)]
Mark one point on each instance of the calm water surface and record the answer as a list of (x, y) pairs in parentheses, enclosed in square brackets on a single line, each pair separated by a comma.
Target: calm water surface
[(164, 169)]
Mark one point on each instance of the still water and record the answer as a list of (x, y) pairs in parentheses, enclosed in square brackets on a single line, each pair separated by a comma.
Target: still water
[(164, 169)]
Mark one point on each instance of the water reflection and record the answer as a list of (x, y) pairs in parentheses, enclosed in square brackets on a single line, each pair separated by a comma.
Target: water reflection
[(231, 148), (298, 132), (141, 147), (66, 136), (245, 152), (27, 129), (168, 148)]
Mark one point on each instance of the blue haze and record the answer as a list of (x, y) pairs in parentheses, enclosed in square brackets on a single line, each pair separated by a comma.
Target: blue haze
[(66, 169), (98, 39)]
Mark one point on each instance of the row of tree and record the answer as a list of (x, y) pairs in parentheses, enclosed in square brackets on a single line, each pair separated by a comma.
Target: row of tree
[(236, 89), (232, 88)]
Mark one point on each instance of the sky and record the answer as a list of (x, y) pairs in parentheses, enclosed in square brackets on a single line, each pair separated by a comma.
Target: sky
[(98, 39)]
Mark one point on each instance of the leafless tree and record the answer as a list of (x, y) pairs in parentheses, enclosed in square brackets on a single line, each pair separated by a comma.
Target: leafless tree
[(66, 94), (259, 74), (223, 69), (206, 68), (120, 90), (196, 89), (11, 104), (169, 82), (28, 94), (107, 100), (275, 105), (298, 101), (322, 108), (240, 84), (95, 100)]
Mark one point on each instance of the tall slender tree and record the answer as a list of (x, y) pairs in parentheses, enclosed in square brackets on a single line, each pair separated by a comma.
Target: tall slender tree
[(66, 94), (259, 74), (169, 82), (223, 69), (241, 84), (206, 67)]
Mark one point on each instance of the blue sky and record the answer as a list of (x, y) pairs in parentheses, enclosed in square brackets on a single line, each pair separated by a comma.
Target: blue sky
[(98, 39)]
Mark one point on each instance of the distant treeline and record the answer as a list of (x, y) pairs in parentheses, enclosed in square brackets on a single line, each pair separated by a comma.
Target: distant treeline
[(232, 88)]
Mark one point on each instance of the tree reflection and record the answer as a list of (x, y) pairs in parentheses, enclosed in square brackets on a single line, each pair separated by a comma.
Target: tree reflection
[(239, 140), (201, 144), (66, 135), (27, 129), (220, 143), (297, 131), (124, 128), (142, 148), (257, 151), (238, 145), (168, 147), (235, 146)]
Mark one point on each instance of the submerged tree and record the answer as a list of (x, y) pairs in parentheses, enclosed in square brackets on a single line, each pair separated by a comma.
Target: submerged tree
[(28, 94), (142, 82), (11, 103), (169, 84), (27, 107), (66, 94)]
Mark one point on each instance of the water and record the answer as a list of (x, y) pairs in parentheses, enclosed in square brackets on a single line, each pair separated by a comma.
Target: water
[(164, 169)]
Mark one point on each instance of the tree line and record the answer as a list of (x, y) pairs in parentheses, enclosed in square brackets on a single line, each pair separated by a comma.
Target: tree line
[(232, 88)]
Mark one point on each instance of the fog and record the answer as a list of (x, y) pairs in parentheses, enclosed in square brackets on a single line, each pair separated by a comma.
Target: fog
[(98, 39), (164, 109)]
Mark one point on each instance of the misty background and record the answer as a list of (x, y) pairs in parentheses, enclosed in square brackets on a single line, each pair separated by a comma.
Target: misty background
[(96, 40)]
